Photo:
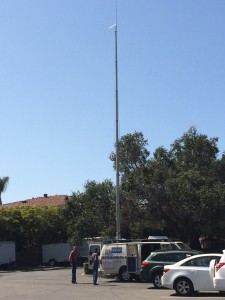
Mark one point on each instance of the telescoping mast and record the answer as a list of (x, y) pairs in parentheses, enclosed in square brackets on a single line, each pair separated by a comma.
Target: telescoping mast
[(118, 214)]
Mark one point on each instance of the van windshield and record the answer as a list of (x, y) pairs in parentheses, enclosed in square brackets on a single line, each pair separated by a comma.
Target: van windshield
[(146, 249), (180, 245)]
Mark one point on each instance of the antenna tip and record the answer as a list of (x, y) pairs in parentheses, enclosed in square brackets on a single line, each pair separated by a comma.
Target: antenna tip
[(114, 25)]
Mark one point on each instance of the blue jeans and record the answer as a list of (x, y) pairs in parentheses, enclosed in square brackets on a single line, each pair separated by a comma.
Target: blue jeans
[(74, 269), (95, 274)]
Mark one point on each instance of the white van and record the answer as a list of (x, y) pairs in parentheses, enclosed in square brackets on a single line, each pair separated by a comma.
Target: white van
[(124, 259)]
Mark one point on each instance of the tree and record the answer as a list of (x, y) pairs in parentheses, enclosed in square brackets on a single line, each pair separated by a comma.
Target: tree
[(132, 152), (32, 226), (193, 191), (92, 212), (177, 191), (133, 158), (187, 183), (3, 185)]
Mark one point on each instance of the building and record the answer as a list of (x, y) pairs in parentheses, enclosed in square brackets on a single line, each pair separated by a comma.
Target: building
[(45, 200)]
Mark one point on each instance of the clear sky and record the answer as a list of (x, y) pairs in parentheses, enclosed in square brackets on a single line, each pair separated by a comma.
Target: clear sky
[(57, 84)]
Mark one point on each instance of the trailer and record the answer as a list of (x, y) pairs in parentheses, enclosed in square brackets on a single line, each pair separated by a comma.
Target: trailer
[(58, 253), (54, 254), (7, 254)]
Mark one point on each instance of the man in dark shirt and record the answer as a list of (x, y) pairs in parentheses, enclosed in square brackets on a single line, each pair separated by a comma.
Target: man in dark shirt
[(95, 264), (73, 263)]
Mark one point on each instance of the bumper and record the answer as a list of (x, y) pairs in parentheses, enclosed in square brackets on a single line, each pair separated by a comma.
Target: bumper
[(166, 284), (219, 284)]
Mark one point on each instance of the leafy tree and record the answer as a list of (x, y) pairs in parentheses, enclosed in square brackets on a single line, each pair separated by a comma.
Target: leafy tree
[(134, 157), (194, 192), (132, 152), (91, 213), (32, 226), (3, 185), (177, 191)]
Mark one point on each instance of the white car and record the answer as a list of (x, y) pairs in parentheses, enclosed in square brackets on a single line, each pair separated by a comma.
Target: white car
[(217, 272), (190, 275)]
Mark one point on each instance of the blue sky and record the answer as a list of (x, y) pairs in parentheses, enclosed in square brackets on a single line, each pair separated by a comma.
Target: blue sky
[(57, 84)]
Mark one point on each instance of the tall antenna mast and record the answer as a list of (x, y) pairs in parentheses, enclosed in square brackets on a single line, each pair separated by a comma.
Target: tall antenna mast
[(118, 214), (118, 217)]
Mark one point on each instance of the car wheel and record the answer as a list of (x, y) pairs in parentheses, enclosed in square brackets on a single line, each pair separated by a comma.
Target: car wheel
[(156, 280), (123, 275), (52, 262), (183, 286)]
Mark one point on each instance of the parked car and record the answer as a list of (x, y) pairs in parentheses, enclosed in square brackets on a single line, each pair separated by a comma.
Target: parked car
[(152, 266), (190, 275), (217, 272)]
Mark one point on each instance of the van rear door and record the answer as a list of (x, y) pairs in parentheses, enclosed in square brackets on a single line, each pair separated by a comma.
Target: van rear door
[(132, 257)]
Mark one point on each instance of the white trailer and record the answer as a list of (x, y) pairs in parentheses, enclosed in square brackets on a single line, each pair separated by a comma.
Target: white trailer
[(7, 253), (53, 254)]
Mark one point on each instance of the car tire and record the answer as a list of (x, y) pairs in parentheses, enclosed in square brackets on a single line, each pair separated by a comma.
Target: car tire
[(123, 275), (156, 280), (183, 286), (52, 262)]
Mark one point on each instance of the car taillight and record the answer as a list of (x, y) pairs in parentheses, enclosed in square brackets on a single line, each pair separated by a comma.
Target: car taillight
[(219, 265), (144, 263), (165, 270)]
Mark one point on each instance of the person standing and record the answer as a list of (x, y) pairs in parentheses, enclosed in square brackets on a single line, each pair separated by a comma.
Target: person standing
[(73, 263), (95, 264)]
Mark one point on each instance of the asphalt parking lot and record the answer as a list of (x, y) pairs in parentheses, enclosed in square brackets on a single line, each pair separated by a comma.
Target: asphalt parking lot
[(55, 284)]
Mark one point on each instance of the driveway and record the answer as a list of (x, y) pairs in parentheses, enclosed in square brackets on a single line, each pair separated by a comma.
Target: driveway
[(55, 284)]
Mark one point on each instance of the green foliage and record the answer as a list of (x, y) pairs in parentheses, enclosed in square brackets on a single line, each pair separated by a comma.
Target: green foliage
[(91, 213), (32, 226), (133, 153), (178, 191)]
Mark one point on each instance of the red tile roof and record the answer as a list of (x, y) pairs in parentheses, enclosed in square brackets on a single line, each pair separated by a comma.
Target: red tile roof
[(46, 200)]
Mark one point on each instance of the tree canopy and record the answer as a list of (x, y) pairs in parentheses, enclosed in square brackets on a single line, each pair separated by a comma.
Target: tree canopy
[(175, 192), (179, 190)]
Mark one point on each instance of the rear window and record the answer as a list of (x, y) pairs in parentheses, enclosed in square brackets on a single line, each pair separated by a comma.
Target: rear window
[(201, 261), (182, 255), (169, 257), (158, 257), (173, 257)]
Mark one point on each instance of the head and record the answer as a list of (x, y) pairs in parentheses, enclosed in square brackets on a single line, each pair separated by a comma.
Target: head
[(74, 248), (96, 250)]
